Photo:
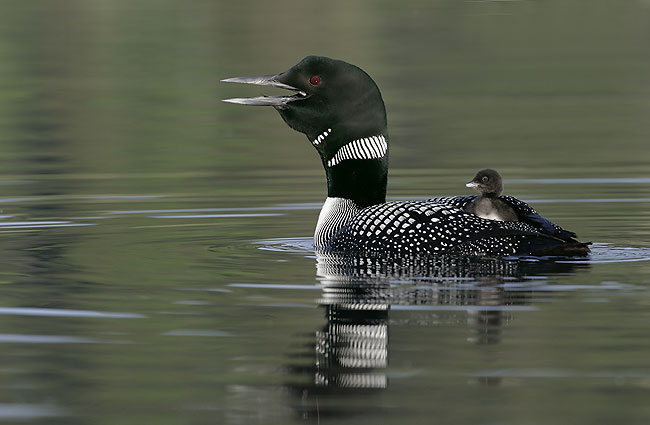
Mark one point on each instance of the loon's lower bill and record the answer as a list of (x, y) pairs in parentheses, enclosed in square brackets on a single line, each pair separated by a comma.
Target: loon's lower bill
[(340, 110)]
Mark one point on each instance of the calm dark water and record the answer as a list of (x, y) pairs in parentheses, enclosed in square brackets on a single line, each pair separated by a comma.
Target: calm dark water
[(155, 257)]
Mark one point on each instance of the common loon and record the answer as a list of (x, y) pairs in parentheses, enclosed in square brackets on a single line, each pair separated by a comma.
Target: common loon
[(489, 184), (340, 110)]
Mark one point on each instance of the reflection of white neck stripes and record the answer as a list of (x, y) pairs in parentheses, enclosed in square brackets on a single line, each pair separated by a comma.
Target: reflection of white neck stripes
[(366, 148)]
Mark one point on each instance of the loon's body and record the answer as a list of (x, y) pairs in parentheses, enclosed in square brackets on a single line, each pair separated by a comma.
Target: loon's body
[(487, 205), (340, 110)]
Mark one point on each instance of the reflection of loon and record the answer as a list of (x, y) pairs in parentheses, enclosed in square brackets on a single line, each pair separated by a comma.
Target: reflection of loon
[(340, 109), (352, 345), (351, 355)]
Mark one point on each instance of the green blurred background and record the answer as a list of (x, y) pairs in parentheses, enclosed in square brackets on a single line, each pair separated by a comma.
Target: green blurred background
[(103, 87)]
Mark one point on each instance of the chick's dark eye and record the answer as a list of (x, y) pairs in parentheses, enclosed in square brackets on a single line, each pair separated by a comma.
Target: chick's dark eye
[(315, 80), (485, 179)]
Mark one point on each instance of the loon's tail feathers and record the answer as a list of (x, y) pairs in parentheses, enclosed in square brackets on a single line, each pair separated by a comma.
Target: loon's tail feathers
[(548, 226), (545, 247), (528, 243)]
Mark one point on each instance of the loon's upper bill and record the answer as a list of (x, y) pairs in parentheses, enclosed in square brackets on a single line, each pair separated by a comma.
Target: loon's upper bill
[(264, 80), (340, 110)]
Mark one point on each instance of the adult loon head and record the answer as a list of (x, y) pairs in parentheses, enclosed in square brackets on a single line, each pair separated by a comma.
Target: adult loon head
[(487, 182), (340, 110)]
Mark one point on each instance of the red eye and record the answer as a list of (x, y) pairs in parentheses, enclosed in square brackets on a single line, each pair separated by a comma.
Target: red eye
[(315, 80)]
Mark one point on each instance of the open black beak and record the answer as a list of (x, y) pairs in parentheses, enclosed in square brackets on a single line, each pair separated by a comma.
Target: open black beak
[(265, 80)]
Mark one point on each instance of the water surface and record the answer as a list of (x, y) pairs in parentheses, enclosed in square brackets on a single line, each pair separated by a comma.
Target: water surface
[(155, 257)]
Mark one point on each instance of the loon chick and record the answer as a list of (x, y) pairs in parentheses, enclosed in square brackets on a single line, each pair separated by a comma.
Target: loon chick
[(340, 110), (487, 205)]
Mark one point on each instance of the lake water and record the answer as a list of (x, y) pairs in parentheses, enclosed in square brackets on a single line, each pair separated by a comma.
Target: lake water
[(155, 256)]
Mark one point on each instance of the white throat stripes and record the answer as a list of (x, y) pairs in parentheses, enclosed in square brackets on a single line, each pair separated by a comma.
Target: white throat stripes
[(321, 137), (366, 148)]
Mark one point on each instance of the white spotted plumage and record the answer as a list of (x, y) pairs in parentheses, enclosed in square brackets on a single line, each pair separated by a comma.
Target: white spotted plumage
[(413, 228)]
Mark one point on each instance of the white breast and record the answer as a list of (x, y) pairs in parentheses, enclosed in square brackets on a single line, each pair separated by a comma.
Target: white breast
[(335, 214)]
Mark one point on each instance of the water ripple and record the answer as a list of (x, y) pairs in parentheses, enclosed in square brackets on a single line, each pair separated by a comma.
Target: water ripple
[(29, 411), (54, 312), (587, 201), (623, 180), (82, 198), (298, 245), (552, 201), (462, 307), (274, 286), (40, 224), (560, 373), (22, 223), (196, 332), (280, 207), (215, 215), (45, 339), (15, 182), (602, 253)]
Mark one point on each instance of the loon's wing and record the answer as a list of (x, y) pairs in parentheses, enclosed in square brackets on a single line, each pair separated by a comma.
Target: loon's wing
[(429, 227), (454, 201), (527, 214)]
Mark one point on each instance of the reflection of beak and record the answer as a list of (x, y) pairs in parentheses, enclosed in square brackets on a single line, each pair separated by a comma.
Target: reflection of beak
[(471, 184), (265, 80)]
